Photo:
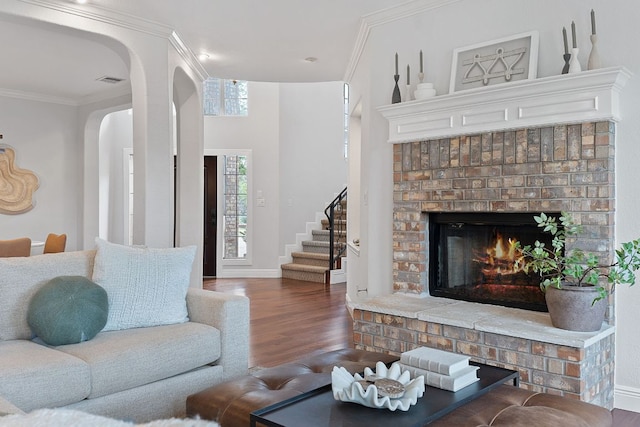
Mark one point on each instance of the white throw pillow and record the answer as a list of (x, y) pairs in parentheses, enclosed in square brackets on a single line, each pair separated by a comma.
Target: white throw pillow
[(145, 286)]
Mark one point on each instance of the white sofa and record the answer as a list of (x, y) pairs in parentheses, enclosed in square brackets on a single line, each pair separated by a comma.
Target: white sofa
[(137, 374)]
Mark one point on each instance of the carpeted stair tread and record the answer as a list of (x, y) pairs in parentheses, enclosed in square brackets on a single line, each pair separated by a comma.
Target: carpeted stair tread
[(338, 222), (308, 273), (315, 243), (325, 222), (304, 267), (312, 263), (323, 235), (311, 258), (311, 255), (312, 246)]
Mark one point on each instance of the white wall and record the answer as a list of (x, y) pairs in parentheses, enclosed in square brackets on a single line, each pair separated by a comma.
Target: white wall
[(437, 33), (43, 136), (258, 132), (313, 170), (295, 134), (116, 134)]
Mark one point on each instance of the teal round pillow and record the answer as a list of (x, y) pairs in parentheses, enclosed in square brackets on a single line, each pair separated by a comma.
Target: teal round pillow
[(68, 310)]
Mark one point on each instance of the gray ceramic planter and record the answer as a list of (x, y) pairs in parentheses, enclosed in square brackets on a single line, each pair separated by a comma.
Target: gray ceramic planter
[(571, 308)]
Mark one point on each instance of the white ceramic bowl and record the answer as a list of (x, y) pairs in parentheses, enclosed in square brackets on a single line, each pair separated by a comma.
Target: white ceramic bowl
[(347, 388)]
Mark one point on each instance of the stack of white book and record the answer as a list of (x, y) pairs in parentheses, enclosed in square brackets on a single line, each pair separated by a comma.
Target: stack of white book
[(442, 369)]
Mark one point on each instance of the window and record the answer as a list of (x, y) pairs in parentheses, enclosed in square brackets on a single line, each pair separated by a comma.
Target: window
[(225, 97), (235, 207)]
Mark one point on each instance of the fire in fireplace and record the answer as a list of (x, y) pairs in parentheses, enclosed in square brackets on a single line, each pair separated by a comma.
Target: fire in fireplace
[(472, 257)]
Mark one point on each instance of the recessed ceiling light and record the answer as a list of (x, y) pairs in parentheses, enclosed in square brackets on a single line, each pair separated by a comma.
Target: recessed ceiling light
[(203, 56), (311, 59), (81, 1)]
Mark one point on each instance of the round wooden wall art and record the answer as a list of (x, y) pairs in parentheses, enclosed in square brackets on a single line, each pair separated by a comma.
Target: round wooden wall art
[(16, 185)]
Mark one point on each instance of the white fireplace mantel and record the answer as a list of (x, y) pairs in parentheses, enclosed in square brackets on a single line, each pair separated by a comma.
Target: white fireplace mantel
[(569, 98)]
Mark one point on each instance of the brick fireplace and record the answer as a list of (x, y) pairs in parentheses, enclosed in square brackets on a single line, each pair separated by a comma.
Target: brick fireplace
[(556, 162), (557, 168)]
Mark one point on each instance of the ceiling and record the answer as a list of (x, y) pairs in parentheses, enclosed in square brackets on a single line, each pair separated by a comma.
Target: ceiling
[(256, 40)]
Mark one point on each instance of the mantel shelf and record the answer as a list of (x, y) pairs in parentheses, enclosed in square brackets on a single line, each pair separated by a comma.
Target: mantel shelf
[(569, 98)]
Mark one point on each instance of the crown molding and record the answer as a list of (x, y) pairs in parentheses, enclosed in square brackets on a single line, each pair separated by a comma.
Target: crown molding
[(385, 16), (105, 15), (62, 100), (188, 56), (39, 97), (105, 95), (122, 20)]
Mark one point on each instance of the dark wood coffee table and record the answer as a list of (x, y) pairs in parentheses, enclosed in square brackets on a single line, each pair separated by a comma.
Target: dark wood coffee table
[(318, 408)]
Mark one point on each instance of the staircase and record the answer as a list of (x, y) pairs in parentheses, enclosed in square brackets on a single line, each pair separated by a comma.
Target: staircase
[(312, 263)]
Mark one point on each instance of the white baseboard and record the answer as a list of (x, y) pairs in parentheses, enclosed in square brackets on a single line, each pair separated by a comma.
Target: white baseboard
[(250, 274), (337, 276), (627, 398)]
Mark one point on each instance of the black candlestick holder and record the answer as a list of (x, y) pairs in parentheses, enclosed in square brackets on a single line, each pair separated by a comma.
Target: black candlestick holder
[(567, 60), (395, 98)]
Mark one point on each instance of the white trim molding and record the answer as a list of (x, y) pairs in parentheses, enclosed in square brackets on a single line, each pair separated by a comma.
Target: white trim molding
[(187, 55), (229, 273), (627, 398), (33, 96), (569, 98), (385, 16), (108, 16), (101, 14)]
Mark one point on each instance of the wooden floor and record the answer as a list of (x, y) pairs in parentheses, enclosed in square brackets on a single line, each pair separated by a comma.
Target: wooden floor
[(290, 318), (625, 418)]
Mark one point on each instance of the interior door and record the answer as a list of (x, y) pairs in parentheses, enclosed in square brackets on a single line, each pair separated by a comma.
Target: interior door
[(210, 215)]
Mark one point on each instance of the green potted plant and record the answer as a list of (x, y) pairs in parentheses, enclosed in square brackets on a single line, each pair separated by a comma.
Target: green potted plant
[(576, 283)]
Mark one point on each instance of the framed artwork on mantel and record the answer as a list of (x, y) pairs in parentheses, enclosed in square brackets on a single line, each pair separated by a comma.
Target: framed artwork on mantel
[(504, 60)]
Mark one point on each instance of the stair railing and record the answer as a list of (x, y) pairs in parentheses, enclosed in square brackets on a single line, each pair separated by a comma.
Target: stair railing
[(337, 229)]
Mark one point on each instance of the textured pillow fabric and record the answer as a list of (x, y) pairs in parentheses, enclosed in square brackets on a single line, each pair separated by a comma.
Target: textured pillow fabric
[(61, 417), (20, 279), (146, 286), (68, 310)]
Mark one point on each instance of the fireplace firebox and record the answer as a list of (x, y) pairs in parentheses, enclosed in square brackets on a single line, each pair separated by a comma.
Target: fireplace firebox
[(472, 257)]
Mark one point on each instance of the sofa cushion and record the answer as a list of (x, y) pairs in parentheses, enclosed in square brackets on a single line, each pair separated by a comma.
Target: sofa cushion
[(7, 407), (20, 278), (120, 360), (68, 310), (35, 376), (146, 287)]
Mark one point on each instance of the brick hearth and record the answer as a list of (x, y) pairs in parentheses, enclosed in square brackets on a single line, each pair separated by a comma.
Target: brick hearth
[(554, 168), (578, 365)]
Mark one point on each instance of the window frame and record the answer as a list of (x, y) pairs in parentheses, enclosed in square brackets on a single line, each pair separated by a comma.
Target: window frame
[(222, 111), (220, 153)]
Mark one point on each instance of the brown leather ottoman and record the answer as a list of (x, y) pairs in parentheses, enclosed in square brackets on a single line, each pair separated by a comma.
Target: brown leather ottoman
[(509, 406), (231, 402)]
